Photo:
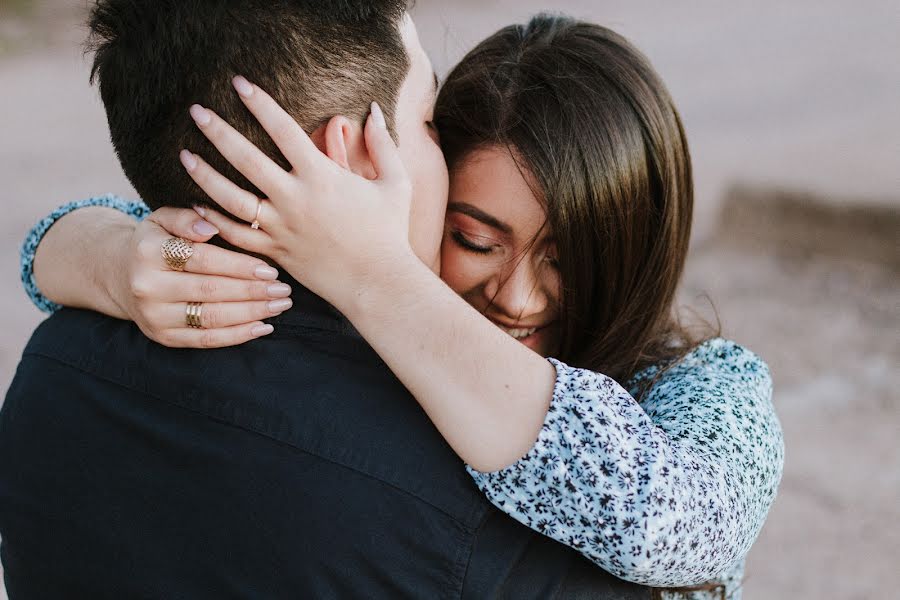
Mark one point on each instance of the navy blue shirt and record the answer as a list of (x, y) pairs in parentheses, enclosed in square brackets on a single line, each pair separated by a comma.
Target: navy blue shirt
[(294, 466)]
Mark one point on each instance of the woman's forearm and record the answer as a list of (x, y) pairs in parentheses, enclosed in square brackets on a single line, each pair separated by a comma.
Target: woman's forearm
[(487, 394), (79, 257)]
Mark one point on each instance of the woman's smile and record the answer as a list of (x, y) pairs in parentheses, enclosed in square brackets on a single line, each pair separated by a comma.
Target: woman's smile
[(533, 336), (498, 253)]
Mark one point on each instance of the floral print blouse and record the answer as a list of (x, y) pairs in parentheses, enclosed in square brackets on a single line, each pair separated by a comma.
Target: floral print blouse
[(668, 492)]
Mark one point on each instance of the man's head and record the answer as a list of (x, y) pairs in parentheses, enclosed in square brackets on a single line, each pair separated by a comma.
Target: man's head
[(154, 58)]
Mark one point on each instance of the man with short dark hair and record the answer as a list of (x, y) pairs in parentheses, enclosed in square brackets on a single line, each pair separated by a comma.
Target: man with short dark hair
[(296, 466)]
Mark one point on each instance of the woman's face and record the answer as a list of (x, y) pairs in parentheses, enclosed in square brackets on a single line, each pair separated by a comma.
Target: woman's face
[(498, 253)]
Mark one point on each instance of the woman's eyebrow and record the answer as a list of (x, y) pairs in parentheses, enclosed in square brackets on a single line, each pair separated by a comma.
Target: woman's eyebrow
[(479, 215)]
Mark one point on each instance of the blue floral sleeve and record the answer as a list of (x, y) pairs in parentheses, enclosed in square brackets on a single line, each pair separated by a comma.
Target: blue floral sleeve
[(136, 209), (669, 492)]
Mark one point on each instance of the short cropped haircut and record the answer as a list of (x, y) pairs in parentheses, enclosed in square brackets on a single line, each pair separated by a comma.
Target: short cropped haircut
[(154, 58)]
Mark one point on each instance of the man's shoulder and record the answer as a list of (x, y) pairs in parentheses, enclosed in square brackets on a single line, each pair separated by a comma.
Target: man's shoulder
[(323, 393), (310, 435)]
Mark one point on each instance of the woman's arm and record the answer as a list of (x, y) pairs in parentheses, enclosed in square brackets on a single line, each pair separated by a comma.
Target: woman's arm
[(670, 495), (104, 254), (487, 393), (671, 492), (57, 258)]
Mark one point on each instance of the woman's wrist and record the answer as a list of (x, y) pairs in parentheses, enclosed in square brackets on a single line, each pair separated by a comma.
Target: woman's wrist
[(79, 257), (111, 274), (378, 287)]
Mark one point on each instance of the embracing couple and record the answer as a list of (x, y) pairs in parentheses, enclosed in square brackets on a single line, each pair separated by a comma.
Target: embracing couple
[(474, 393)]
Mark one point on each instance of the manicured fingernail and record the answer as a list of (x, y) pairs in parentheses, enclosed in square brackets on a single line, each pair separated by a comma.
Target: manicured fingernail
[(204, 228), (189, 161), (279, 306), (200, 211), (279, 290), (200, 115), (261, 330), (266, 272), (242, 86), (378, 116)]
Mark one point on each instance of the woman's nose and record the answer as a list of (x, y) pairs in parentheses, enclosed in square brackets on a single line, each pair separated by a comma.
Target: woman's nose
[(518, 293)]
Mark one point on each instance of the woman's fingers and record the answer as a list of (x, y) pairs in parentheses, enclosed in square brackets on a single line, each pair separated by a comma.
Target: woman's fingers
[(183, 223), (212, 260), (189, 287), (382, 148), (220, 315), (224, 192), (252, 163), (240, 234), (287, 134), (214, 338)]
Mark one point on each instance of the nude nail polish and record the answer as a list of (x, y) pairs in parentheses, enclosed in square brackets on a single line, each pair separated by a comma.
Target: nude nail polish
[(204, 228), (261, 330), (266, 272), (188, 160), (200, 115), (279, 290), (279, 306), (243, 87)]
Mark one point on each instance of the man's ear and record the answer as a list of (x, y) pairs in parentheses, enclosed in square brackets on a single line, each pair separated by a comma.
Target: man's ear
[(344, 142)]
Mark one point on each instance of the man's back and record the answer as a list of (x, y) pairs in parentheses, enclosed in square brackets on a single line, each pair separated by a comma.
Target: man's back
[(295, 466)]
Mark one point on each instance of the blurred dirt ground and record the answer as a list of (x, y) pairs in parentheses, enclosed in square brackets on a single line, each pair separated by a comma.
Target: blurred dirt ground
[(791, 110)]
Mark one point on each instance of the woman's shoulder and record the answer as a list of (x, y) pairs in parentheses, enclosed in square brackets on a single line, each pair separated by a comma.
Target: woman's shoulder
[(720, 371), (727, 356), (714, 357), (717, 393)]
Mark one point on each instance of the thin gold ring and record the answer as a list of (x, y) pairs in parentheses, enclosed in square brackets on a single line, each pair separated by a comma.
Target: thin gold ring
[(255, 223), (192, 315), (176, 252)]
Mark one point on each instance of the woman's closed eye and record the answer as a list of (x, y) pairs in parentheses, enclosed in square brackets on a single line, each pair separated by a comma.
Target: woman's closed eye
[(552, 261), (467, 244)]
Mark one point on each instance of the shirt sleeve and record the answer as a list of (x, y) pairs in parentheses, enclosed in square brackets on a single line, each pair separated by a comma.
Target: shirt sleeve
[(669, 492), (136, 209)]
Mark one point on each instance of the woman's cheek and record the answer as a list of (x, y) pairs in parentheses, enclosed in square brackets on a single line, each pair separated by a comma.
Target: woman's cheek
[(453, 267), (463, 270)]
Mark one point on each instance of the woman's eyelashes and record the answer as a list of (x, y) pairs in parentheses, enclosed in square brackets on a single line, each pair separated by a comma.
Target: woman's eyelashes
[(552, 261), (466, 244)]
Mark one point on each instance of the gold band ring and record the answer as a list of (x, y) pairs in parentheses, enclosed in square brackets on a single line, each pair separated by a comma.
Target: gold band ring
[(176, 252), (192, 315), (255, 223)]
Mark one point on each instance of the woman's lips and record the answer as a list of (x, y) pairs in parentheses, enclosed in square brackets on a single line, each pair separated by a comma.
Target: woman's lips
[(529, 336)]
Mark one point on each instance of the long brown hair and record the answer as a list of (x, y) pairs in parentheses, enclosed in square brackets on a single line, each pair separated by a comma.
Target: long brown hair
[(592, 125)]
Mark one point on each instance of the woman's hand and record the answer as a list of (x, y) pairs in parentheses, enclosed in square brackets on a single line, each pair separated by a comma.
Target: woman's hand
[(237, 291), (333, 230)]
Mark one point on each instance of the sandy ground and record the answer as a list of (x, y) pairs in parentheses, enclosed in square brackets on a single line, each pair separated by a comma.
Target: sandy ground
[(799, 96)]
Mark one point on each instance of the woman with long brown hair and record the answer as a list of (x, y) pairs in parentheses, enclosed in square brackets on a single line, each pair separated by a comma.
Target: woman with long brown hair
[(653, 451)]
